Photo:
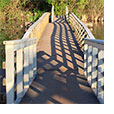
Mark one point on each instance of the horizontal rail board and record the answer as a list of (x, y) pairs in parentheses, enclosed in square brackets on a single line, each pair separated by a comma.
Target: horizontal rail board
[(95, 43)]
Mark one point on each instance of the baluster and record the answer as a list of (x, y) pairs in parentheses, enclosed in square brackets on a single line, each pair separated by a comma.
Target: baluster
[(101, 76), (30, 63), (35, 60), (89, 67), (10, 74), (94, 69), (26, 68), (66, 13), (85, 59), (19, 65)]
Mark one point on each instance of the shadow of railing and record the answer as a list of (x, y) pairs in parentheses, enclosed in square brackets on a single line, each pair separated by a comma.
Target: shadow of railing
[(60, 77)]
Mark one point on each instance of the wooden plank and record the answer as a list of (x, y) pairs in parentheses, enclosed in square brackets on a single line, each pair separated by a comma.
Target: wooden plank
[(85, 59), (30, 64), (19, 73), (10, 74), (26, 69), (35, 60), (95, 43), (89, 67), (101, 76), (66, 13), (94, 70), (52, 14)]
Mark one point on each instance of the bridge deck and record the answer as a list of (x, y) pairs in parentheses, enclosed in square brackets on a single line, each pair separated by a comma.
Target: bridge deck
[(60, 77)]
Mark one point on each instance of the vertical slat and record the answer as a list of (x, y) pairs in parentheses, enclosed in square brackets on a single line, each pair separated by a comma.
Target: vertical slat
[(85, 58), (26, 68), (101, 76), (10, 74), (94, 69), (32, 60), (19, 66), (52, 14), (35, 60), (89, 68), (30, 63), (66, 13)]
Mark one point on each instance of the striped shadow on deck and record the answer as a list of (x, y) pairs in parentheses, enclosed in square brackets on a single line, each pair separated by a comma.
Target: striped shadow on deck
[(60, 78)]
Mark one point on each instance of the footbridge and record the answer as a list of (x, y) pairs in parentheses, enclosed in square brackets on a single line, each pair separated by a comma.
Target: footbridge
[(57, 62)]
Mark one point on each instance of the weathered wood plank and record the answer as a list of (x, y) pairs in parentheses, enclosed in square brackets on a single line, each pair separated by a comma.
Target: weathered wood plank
[(52, 14), (10, 74), (94, 70), (26, 69), (19, 66), (85, 59), (30, 64), (89, 67), (101, 76)]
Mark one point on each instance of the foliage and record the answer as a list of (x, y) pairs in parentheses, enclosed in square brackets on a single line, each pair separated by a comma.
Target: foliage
[(15, 13), (95, 9)]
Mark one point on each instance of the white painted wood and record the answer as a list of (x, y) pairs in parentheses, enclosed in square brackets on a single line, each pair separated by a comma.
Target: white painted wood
[(29, 31), (52, 14), (89, 67), (19, 65), (84, 26), (95, 43), (30, 63), (85, 59), (26, 69), (10, 74), (35, 60), (94, 70), (66, 13), (100, 76)]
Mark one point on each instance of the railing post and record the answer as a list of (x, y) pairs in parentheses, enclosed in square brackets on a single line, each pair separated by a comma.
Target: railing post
[(26, 68), (101, 76), (52, 14), (10, 73), (85, 58), (19, 66), (66, 13)]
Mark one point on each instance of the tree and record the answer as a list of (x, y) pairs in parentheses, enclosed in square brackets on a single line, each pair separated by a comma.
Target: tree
[(95, 9)]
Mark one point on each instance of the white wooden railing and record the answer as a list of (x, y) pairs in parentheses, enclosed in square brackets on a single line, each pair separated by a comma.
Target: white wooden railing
[(94, 66), (81, 30), (21, 61), (52, 14), (21, 67), (66, 13), (93, 50)]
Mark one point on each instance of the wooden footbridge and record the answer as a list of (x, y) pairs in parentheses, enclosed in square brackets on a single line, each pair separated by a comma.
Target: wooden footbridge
[(55, 63)]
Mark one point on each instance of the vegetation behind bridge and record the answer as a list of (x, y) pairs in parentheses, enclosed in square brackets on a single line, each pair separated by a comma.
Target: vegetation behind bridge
[(16, 15)]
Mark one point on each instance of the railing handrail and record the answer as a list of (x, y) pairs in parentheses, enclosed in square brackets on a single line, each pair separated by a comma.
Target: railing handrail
[(27, 34), (14, 42), (84, 26), (95, 43)]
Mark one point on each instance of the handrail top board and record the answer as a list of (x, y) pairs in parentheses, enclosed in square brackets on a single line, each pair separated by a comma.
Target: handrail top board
[(26, 35), (95, 43), (21, 41)]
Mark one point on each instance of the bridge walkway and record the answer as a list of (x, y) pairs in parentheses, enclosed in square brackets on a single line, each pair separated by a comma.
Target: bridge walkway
[(60, 78)]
